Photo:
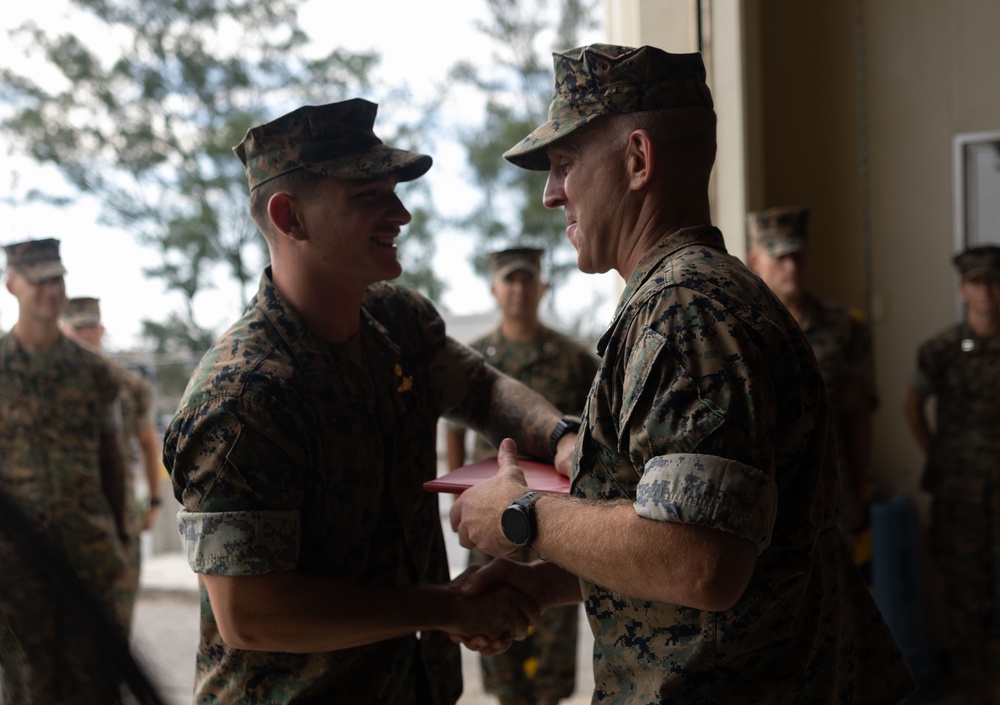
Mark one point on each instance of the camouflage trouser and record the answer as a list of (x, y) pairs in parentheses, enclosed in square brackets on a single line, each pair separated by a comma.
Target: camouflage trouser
[(127, 584), (965, 544), (543, 666), (47, 652)]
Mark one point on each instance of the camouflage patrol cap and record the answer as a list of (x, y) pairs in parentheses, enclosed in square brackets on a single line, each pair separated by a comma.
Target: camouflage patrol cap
[(603, 79), (82, 311), (334, 140), (979, 261), (35, 260), (516, 259), (779, 231)]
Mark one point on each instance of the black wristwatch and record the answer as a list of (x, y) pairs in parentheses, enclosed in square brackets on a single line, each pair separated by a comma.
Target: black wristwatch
[(518, 519), (567, 424)]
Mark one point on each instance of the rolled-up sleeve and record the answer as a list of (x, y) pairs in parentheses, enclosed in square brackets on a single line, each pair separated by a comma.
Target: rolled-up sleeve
[(241, 543), (710, 491)]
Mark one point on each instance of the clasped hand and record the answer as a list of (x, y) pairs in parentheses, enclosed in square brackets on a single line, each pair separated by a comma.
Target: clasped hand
[(492, 613), (475, 517)]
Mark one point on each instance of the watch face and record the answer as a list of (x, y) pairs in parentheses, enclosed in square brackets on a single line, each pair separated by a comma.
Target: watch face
[(516, 527)]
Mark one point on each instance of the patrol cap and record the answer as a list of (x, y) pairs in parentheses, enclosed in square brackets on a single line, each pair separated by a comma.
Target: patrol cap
[(35, 260), (82, 311), (604, 79), (779, 231), (516, 259), (334, 140), (978, 261)]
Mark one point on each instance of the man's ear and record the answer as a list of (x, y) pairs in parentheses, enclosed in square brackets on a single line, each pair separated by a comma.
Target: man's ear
[(752, 260), (640, 159), (284, 210)]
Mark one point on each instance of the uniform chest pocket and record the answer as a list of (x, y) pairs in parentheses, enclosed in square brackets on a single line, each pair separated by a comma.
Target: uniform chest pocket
[(663, 410)]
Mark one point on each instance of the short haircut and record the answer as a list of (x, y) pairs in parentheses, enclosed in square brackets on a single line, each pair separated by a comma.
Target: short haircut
[(687, 134), (301, 183)]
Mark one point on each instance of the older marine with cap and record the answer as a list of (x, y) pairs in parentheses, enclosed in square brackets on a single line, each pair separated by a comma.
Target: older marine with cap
[(840, 339), (701, 531), (60, 463), (302, 441), (960, 369)]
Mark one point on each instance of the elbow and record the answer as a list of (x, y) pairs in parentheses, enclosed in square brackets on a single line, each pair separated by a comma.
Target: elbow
[(720, 581), (239, 632), (717, 596)]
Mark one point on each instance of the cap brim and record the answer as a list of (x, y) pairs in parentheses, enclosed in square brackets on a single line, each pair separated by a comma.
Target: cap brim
[(38, 272), (786, 247), (380, 160), (982, 271), (530, 153), (504, 272), (81, 321)]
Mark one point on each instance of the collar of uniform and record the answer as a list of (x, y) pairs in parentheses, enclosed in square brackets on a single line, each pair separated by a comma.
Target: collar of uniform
[(17, 359), (706, 235), (541, 344), (309, 350)]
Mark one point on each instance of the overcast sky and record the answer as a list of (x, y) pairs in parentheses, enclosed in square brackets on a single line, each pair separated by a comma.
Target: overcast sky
[(417, 47)]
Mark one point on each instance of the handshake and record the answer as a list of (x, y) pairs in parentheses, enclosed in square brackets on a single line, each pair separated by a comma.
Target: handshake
[(496, 605)]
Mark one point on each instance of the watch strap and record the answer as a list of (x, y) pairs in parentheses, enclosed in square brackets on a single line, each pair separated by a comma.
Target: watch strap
[(567, 424)]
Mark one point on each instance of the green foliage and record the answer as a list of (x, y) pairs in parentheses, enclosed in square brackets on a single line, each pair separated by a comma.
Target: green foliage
[(517, 85), (143, 116)]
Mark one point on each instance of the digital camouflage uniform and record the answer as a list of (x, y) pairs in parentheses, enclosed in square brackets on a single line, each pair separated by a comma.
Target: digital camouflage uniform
[(962, 372), (841, 341), (53, 409), (709, 409), (137, 412), (290, 454), (544, 664)]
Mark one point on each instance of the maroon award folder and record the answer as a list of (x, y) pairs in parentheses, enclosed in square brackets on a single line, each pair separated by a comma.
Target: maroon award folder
[(541, 477)]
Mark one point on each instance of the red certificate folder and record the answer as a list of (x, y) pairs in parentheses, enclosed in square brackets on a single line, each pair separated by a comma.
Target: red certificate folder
[(541, 477)]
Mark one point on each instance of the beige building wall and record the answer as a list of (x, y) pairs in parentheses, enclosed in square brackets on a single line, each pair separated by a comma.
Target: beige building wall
[(849, 107)]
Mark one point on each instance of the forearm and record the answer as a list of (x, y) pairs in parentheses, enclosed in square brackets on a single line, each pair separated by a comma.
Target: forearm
[(516, 411), (609, 544), (298, 613), (455, 447), (151, 463), (913, 410)]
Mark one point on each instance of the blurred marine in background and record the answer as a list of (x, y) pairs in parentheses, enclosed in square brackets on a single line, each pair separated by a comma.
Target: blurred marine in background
[(960, 369), (841, 340), (541, 670), (61, 465), (140, 445)]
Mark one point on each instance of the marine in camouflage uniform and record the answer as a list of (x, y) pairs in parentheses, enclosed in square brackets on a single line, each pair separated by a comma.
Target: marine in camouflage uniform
[(140, 447), (841, 340), (136, 400), (301, 443), (703, 521), (58, 463), (542, 668), (960, 369)]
